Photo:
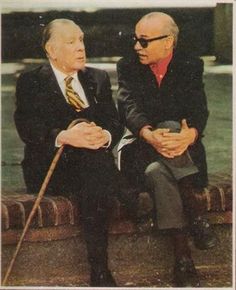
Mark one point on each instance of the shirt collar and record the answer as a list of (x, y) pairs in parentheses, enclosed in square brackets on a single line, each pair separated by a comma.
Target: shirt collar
[(163, 63), (60, 76)]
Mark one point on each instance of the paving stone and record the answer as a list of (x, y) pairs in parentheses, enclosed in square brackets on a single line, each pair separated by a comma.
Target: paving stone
[(137, 260)]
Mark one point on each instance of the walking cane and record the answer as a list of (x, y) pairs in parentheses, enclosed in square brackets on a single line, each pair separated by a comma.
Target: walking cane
[(37, 202)]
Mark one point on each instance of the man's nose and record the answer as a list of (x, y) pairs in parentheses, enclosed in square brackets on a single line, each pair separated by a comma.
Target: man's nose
[(80, 45), (137, 46)]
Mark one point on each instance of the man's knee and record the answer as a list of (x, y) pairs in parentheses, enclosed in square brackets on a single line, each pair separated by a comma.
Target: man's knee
[(174, 126), (155, 170)]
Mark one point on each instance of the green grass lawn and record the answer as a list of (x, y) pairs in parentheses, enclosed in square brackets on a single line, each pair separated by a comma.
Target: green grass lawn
[(218, 133)]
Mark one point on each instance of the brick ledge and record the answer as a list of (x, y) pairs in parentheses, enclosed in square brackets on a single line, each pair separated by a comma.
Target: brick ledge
[(58, 217), (64, 232)]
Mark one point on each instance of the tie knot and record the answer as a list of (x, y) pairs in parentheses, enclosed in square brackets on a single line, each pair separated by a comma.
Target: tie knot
[(68, 80)]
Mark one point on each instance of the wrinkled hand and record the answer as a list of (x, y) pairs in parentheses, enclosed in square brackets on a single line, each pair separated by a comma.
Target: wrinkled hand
[(156, 139), (178, 143), (170, 144), (84, 135)]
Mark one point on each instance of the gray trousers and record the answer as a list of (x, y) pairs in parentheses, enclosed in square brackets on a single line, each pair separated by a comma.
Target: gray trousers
[(161, 177)]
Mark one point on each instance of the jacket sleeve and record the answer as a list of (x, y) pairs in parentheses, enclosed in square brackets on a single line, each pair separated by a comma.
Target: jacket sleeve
[(195, 103), (130, 104), (32, 126), (106, 114)]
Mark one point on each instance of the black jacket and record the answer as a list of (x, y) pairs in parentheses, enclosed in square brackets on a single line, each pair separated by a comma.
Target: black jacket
[(181, 96), (42, 112)]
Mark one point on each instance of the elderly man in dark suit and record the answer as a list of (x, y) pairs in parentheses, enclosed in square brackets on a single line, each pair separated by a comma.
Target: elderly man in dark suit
[(162, 102), (47, 100)]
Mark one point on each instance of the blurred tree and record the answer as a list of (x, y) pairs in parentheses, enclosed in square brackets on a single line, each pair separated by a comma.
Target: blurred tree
[(21, 32)]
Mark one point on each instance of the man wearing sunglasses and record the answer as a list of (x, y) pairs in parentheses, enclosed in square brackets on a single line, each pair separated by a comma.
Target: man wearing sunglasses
[(162, 103)]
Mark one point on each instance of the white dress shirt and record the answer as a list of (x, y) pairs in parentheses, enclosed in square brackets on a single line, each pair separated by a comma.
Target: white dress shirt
[(76, 85)]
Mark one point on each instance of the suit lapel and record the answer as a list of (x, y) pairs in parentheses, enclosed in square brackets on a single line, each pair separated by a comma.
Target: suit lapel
[(148, 78), (89, 85), (54, 94), (48, 78), (171, 74), (55, 97)]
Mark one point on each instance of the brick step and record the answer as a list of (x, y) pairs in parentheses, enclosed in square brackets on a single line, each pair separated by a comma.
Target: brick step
[(58, 215)]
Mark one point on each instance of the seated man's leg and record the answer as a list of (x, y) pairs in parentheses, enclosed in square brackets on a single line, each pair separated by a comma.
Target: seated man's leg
[(184, 170), (170, 216), (203, 235), (164, 188), (89, 175)]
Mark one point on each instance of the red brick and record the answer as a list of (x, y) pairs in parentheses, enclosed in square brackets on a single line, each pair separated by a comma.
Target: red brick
[(16, 213), (58, 210), (63, 210)]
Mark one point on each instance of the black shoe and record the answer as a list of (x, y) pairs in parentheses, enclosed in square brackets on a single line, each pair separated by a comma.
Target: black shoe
[(185, 274), (102, 279), (203, 235)]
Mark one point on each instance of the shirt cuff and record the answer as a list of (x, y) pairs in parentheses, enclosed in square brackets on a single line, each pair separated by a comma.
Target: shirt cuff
[(110, 139), (56, 143), (196, 131)]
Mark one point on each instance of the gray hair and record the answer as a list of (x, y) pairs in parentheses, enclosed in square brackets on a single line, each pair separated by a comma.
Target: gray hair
[(48, 30), (170, 28)]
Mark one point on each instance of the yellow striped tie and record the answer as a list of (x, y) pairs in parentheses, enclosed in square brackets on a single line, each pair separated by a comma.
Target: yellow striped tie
[(72, 97)]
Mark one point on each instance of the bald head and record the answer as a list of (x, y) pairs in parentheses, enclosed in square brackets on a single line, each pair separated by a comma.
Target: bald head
[(155, 37), (159, 21)]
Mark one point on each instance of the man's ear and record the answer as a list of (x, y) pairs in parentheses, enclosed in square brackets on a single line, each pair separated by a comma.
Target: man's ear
[(50, 49), (169, 42)]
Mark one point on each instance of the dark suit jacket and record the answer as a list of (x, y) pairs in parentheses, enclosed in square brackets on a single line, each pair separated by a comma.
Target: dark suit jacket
[(181, 95), (42, 112)]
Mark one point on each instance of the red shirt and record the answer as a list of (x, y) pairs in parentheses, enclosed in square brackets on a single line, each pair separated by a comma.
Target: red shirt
[(160, 68)]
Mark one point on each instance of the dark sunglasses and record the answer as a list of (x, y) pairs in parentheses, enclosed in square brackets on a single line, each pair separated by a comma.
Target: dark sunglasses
[(144, 42)]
